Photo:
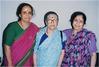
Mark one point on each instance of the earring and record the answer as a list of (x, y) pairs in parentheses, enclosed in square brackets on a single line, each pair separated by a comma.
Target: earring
[(19, 15)]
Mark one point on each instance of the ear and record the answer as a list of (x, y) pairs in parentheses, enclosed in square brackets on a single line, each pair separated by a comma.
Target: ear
[(46, 22)]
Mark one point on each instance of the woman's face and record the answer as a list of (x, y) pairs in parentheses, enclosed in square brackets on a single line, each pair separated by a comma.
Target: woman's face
[(52, 21), (78, 23), (26, 14)]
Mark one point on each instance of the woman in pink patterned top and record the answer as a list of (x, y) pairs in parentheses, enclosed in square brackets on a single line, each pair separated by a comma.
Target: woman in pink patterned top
[(80, 48)]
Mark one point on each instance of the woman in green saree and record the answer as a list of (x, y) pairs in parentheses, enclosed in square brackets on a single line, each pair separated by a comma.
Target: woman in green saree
[(19, 37)]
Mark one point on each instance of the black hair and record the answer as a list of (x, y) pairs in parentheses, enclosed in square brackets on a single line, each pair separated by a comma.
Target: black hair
[(47, 14), (19, 9), (76, 14)]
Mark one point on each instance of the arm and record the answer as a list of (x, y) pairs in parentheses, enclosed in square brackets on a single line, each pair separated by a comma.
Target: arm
[(92, 49), (61, 58), (36, 45), (63, 39), (93, 59), (34, 59), (8, 39), (8, 54)]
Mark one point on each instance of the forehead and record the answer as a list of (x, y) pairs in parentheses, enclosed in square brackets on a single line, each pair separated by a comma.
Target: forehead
[(52, 16), (27, 8), (79, 16)]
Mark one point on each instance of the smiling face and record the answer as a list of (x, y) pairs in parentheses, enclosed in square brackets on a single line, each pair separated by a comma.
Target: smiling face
[(52, 21), (26, 14), (78, 23)]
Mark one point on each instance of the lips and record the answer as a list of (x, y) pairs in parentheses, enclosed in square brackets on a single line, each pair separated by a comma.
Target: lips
[(77, 26), (52, 25)]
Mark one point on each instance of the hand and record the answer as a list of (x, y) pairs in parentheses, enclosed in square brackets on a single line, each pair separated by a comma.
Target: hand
[(35, 66), (58, 66), (92, 66), (10, 65)]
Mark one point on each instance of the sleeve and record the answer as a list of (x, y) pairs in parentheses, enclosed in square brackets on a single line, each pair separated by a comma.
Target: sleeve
[(8, 35), (64, 40), (36, 44), (92, 46)]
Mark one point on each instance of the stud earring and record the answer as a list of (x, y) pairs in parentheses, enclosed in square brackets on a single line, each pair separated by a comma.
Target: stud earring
[(19, 15)]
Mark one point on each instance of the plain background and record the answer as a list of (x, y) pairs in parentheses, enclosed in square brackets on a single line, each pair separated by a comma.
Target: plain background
[(64, 8)]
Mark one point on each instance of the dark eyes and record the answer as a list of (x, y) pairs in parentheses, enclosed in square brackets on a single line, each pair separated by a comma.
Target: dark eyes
[(76, 20), (52, 20), (27, 12)]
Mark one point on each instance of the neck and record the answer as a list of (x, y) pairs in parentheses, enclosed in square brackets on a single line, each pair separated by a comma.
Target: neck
[(75, 31), (49, 31), (23, 24)]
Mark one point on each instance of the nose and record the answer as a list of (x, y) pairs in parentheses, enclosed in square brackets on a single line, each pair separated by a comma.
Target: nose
[(27, 14), (77, 22), (52, 21)]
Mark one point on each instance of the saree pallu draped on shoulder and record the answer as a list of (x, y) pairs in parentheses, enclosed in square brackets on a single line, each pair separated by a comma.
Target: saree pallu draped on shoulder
[(21, 49)]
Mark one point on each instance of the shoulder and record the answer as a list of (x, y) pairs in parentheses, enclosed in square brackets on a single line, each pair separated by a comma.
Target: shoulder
[(11, 26), (63, 36), (41, 31), (67, 32), (90, 34), (35, 26)]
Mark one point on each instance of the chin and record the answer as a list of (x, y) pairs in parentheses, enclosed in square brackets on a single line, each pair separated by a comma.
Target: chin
[(78, 29), (27, 20), (53, 28)]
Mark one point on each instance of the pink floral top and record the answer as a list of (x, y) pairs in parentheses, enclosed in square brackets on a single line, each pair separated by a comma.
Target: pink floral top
[(78, 49)]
